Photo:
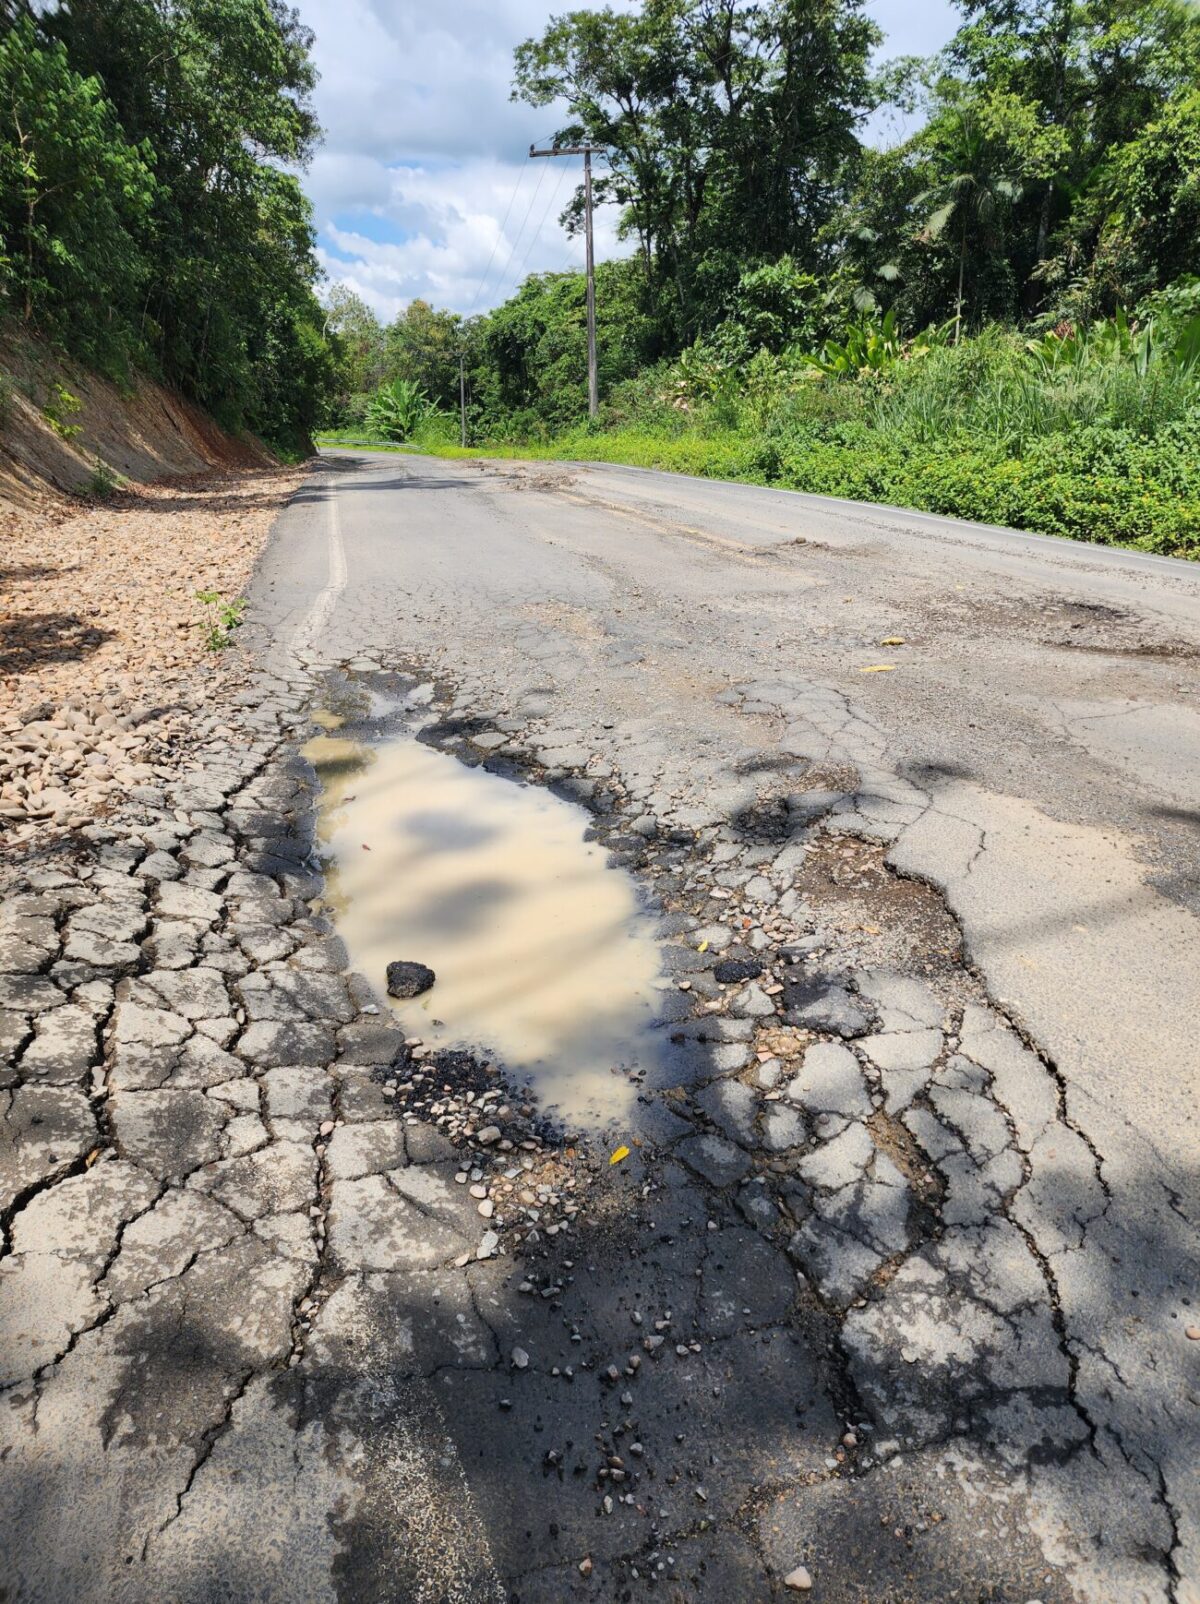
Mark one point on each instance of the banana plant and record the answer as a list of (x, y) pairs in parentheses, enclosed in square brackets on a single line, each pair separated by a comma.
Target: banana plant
[(870, 347), (397, 410)]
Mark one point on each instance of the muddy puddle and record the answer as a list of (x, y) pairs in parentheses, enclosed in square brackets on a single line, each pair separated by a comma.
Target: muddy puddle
[(544, 957)]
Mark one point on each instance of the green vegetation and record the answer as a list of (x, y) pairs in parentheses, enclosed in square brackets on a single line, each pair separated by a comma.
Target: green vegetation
[(102, 481), (61, 407), (400, 411), (221, 619), (146, 217), (998, 319)]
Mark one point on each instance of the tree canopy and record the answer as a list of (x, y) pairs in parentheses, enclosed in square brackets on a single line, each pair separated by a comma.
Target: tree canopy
[(151, 211), (730, 126)]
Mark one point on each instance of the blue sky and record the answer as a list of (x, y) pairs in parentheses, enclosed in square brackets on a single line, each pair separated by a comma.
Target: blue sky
[(422, 187)]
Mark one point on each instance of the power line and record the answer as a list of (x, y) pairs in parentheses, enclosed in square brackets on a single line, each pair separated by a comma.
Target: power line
[(521, 231), (499, 237), (554, 199)]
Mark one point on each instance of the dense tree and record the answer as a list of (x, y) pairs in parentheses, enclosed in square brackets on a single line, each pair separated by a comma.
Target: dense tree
[(1087, 111), (529, 357), (75, 195), (969, 195), (1152, 186), (422, 346), (213, 96), (359, 341), (1066, 84), (731, 127)]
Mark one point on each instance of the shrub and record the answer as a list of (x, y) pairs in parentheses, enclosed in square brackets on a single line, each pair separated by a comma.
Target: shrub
[(62, 406)]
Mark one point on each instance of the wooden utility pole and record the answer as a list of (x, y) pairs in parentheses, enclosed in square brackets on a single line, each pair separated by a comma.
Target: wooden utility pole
[(586, 152)]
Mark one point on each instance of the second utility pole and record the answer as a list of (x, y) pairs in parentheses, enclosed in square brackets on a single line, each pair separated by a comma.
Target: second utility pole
[(586, 152)]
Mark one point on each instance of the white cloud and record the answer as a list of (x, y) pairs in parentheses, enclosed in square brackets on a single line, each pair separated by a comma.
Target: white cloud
[(424, 150), (470, 233)]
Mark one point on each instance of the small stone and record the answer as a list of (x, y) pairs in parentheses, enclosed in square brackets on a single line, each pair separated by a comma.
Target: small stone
[(585, 1567), (487, 1208), (520, 1359), (732, 970), (1193, 1333), (406, 978), (489, 1135), (798, 1580), (488, 1245)]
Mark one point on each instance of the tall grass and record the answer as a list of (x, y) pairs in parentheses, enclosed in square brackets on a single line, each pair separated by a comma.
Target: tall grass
[(988, 390)]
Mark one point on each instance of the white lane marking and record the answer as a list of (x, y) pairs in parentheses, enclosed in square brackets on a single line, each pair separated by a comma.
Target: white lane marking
[(316, 620)]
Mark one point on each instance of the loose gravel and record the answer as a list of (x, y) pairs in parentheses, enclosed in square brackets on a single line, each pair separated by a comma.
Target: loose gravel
[(103, 658)]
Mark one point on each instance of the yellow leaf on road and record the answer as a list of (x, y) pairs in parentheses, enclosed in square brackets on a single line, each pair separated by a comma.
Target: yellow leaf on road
[(878, 668), (893, 640), (703, 947), (621, 1152)]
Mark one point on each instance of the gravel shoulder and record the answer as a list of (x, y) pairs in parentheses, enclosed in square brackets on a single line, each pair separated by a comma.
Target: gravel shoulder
[(103, 660)]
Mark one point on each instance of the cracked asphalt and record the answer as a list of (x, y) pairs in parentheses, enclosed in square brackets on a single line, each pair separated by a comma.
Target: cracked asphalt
[(891, 1299)]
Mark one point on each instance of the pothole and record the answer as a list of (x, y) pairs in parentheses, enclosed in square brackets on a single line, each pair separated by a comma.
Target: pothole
[(888, 920), (545, 958)]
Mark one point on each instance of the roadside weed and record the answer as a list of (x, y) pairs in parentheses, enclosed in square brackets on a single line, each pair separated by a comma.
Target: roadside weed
[(102, 481), (62, 406), (222, 618)]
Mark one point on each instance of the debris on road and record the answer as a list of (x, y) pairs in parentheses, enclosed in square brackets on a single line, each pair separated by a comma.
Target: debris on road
[(406, 978)]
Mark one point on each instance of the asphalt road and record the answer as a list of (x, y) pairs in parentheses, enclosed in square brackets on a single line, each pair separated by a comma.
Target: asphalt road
[(1032, 751), (892, 1294)]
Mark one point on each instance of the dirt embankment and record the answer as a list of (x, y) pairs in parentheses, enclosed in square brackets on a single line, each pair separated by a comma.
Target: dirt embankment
[(64, 430), (106, 645)]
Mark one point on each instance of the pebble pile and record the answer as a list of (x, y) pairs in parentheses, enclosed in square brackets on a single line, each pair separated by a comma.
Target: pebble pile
[(63, 766)]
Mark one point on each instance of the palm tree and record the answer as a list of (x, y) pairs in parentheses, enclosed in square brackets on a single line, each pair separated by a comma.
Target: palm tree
[(967, 193)]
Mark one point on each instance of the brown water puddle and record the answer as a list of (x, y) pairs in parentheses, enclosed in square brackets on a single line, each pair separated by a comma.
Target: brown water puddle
[(542, 954)]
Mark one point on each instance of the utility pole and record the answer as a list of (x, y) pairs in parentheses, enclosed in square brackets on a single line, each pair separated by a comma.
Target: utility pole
[(586, 152), (462, 396)]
